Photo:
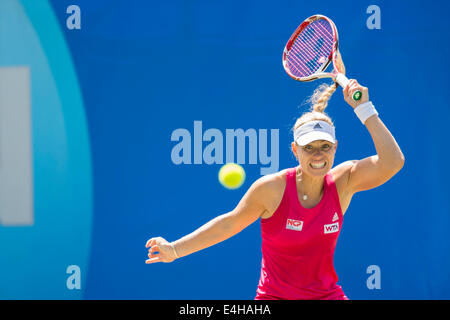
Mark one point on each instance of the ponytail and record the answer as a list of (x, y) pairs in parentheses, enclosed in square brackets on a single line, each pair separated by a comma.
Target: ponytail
[(321, 96), (324, 92), (319, 99)]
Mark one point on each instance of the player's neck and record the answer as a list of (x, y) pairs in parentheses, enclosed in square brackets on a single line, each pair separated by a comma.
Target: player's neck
[(309, 186)]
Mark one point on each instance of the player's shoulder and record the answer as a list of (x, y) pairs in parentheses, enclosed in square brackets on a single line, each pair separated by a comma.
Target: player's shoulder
[(272, 183), (341, 172), (269, 190)]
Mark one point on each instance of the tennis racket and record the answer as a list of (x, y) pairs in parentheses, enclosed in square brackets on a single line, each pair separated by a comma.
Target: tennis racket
[(310, 50)]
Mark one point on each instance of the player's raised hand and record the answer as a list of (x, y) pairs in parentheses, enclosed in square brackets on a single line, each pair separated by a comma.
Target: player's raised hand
[(349, 91), (160, 250)]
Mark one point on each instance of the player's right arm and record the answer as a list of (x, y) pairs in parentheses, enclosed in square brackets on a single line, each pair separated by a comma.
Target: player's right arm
[(253, 204)]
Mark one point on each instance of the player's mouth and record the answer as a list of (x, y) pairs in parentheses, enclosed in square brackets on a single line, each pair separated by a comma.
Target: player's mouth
[(318, 165)]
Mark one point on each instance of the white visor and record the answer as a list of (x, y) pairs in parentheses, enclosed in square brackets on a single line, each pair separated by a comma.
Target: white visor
[(314, 130)]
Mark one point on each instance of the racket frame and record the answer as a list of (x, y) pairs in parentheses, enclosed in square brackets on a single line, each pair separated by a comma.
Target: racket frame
[(337, 76)]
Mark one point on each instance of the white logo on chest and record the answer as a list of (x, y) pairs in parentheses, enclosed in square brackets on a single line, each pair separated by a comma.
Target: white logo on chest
[(335, 217), (294, 225), (331, 228)]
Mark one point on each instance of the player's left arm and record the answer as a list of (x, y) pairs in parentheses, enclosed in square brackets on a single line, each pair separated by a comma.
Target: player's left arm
[(371, 172)]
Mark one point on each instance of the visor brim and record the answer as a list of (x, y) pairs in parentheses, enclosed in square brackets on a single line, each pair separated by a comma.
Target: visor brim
[(314, 136)]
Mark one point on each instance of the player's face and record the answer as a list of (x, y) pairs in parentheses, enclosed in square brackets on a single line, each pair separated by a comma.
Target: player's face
[(316, 158)]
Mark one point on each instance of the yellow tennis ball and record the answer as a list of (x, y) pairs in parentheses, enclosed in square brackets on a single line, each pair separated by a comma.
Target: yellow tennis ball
[(231, 175)]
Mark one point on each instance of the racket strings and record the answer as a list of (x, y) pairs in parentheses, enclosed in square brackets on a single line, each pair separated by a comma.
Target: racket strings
[(313, 64), (325, 35), (311, 48), (309, 39), (302, 46), (317, 48)]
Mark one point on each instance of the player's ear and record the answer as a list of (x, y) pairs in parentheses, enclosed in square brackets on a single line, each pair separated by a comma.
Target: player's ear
[(294, 148)]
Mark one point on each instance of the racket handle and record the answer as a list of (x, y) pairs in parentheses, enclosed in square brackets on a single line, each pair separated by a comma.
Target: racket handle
[(342, 80)]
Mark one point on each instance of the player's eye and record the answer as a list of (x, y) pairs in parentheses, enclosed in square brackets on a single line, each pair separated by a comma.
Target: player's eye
[(326, 147)]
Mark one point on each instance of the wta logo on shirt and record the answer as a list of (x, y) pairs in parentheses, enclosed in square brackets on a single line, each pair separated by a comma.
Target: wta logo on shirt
[(296, 225), (331, 228)]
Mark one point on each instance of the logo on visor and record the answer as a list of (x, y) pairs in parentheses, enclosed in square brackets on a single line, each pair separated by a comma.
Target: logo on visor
[(318, 126)]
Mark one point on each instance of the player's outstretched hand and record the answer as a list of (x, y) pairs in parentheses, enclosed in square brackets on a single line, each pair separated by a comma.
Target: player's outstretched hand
[(159, 250), (350, 89)]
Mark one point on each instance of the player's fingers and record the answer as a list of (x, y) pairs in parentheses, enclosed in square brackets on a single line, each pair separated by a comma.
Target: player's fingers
[(149, 243), (159, 240), (153, 260), (359, 87), (154, 241), (345, 90), (352, 84), (153, 255), (354, 87), (154, 249)]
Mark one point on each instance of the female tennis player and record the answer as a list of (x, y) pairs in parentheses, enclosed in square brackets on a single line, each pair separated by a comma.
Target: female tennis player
[(301, 208)]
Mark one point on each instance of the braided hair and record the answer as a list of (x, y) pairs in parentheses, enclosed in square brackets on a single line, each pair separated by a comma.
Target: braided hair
[(319, 100)]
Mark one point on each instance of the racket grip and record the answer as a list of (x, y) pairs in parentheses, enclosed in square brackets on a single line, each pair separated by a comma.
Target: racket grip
[(342, 80)]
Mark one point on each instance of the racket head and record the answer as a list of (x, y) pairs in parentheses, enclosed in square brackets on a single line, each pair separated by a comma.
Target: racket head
[(311, 48)]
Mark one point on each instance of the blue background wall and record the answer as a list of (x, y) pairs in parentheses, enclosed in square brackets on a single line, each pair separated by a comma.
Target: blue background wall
[(144, 69)]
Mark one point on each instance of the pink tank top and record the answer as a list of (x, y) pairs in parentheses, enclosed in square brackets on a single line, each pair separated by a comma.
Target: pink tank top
[(298, 247)]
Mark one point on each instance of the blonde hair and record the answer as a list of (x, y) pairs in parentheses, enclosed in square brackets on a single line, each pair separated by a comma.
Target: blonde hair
[(319, 100)]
